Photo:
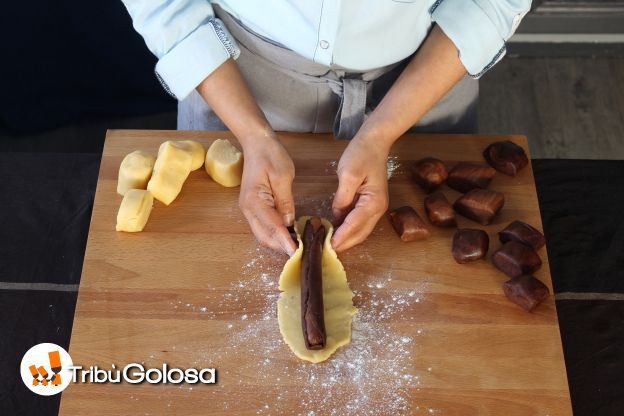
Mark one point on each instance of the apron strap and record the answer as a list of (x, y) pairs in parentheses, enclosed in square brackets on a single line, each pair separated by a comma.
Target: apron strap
[(352, 108), (352, 88)]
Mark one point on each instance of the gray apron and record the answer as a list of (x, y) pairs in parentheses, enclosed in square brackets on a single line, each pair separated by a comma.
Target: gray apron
[(300, 95)]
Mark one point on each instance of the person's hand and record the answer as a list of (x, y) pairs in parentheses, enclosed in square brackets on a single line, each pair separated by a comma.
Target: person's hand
[(266, 197), (362, 195)]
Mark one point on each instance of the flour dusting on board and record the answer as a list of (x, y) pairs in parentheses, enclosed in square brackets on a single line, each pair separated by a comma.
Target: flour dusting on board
[(376, 374), (391, 166), (371, 376)]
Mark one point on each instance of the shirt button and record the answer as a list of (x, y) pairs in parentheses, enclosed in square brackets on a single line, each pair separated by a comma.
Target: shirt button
[(324, 44)]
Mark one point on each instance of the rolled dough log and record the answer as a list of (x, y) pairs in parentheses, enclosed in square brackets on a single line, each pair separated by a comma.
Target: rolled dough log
[(196, 149), (171, 169), (224, 163), (134, 210), (135, 171), (337, 298)]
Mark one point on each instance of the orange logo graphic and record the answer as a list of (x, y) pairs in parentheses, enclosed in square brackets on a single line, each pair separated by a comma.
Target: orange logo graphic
[(45, 369), (55, 366)]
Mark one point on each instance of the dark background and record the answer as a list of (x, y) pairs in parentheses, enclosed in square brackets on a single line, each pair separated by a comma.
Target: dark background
[(72, 69), (64, 60)]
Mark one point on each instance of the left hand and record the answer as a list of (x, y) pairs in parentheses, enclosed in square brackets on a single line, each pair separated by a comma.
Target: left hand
[(362, 195)]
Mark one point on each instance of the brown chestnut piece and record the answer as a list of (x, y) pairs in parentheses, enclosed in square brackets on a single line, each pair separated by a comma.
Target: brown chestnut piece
[(467, 176), (480, 205), (506, 157), (429, 173), (526, 291), (407, 224), (523, 233), (439, 210), (470, 245), (515, 259)]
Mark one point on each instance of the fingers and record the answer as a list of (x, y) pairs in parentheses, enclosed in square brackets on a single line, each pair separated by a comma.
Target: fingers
[(283, 198), (357, 225), (344, 199), (360, 222), (356, 209), (267, 226), (265, 222)]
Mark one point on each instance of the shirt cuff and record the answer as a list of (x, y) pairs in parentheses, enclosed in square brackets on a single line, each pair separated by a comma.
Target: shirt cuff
[(473, 33), (186, 65)]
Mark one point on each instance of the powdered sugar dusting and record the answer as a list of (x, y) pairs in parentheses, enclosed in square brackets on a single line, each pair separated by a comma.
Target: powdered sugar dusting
[(331, 167), (373, 375), (392, 165), (313, 206)]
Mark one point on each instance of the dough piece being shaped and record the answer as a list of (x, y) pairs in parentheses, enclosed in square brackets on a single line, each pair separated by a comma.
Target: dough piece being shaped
[(337, 298), (171, 169), (224, 163), (135, 171), (134, 210), (196, 149)]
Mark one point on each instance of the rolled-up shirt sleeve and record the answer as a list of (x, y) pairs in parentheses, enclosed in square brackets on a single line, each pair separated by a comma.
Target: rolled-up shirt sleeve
[(479, 28), (187, 39)]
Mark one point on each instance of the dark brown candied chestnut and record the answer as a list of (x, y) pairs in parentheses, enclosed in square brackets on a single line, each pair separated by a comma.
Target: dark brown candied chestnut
[(515, 259), (480, 205), (470, 245), (439, 210), (523, 233), (506, 157), (311, 281), (429, 173), (526, 291), (407, 224), (467, 176)]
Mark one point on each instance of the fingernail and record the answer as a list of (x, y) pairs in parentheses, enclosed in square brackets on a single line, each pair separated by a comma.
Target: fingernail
[(287, 246), (288, 219)]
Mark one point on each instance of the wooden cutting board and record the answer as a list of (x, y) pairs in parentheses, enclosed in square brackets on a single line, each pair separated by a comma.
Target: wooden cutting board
[(196, 290)]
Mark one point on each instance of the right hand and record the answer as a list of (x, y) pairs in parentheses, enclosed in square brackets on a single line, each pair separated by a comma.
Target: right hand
[(266, 197)]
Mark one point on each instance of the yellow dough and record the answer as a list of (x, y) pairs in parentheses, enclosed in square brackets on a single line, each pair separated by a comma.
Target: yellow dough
[(135, 170), (337, 299), (196, 149), (224, 163), (171, 169), (134, 210)]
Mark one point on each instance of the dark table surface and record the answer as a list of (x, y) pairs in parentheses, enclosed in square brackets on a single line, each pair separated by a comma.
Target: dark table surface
[(47, 196)]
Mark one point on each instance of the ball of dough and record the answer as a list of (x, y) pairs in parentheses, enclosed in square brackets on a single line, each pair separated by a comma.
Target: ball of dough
[(135, 171), (172, 167), (196, 149), (134, 210), (224, 163)]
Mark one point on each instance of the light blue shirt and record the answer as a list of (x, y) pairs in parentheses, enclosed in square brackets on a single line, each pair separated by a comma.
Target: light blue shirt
[(358, 35)]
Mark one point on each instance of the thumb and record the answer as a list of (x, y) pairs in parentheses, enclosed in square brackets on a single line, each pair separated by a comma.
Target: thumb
[(344, 199), (283, 199)]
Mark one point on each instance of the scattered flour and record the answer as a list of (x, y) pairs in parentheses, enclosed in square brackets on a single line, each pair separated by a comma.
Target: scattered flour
[(331, 167), (374, 375), (392, 166)]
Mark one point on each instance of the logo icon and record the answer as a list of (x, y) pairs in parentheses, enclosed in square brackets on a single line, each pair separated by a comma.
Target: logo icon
[(45, 369)]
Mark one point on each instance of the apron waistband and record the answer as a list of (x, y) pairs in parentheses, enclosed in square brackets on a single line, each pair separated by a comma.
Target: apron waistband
[(353, 88)]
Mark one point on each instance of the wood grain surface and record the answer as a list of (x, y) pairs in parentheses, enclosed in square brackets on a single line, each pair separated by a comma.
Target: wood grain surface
[(195, 289)]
